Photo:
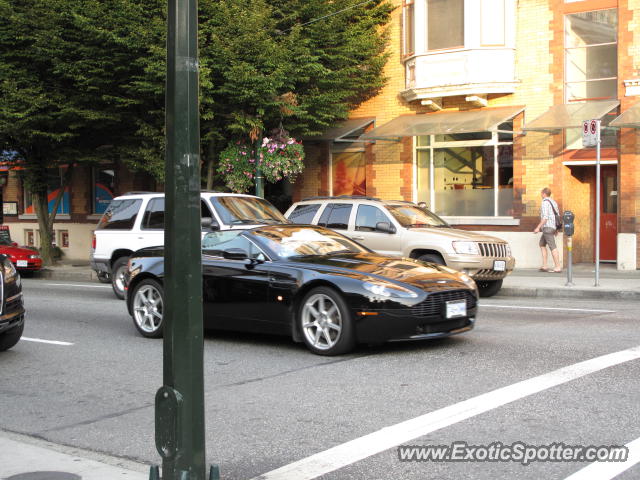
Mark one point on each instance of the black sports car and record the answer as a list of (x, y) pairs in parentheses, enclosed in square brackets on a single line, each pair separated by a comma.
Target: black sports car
[(313, 284), (11, 306)]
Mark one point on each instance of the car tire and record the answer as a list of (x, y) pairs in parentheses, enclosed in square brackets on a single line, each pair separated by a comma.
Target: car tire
[(10, 338), (325, 322), (117, 276), (488, 288), (103, 277), (432, 258), (147, 308)]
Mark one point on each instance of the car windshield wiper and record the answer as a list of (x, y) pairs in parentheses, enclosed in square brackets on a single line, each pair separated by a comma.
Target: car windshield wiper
[(420, 225), (346, 250)]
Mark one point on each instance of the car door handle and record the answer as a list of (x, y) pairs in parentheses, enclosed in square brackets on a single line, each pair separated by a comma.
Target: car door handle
[(357, 238)]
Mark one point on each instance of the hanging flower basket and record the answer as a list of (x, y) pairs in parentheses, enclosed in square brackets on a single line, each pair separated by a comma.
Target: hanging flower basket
[(278, 157)]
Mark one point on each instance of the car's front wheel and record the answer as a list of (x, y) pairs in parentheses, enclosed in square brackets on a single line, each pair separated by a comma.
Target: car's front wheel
[(147, 308), (10, 338), (325, 322), (488, 288), (103, 277), (117, 276)]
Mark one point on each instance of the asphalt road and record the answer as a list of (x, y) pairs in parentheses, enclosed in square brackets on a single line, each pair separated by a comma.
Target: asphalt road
[(270, 403)]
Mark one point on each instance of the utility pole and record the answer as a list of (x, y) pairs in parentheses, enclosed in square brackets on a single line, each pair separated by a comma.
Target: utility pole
[(180, 422)]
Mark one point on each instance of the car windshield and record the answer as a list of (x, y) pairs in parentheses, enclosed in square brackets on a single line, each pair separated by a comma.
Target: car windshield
[(290, 242), (246, 211), (414, 216)]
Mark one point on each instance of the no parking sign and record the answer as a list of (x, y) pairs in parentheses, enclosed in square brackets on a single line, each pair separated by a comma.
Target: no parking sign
[(590, 133)]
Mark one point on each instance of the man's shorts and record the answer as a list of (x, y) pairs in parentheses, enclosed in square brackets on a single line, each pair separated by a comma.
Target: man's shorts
[(548, 238)]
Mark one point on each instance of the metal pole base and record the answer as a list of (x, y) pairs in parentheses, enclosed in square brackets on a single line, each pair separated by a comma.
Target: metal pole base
[(154, 473)]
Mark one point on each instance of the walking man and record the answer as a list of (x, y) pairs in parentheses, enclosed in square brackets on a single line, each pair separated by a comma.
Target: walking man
[(547, 226)]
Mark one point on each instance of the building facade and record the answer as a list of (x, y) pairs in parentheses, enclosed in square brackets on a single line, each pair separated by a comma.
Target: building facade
[(483, 108)]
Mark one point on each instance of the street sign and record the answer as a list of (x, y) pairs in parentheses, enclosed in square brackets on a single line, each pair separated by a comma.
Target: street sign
[(590, 133)]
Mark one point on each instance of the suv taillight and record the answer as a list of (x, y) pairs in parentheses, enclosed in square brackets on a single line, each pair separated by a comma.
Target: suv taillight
[(93, 242)]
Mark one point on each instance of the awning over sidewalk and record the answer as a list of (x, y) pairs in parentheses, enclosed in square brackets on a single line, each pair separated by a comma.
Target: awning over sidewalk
[(348, 130), (629, 119), (484, 120), (570, 115)]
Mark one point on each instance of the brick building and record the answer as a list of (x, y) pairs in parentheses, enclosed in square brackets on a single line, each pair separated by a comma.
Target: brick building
[(84, 201), (483, 109)]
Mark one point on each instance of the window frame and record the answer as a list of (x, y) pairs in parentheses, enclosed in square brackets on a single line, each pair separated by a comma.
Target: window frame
[(452, 47), (494, 142), (567, 48)]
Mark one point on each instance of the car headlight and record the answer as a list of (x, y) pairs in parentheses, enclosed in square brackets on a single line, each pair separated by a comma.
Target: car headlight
[(9, 269), (386, 289), (508, 250), (34, 256), (468, 248)]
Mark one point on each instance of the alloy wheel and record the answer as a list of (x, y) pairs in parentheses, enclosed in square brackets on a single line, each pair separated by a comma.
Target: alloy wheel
[(321, 321), (148, 308)]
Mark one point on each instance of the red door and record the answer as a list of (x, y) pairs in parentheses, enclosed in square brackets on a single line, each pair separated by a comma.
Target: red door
[(608, 213)]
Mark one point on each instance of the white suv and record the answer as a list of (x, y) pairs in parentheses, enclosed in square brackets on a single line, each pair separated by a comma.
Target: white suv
[(404, 229), (136, 220)]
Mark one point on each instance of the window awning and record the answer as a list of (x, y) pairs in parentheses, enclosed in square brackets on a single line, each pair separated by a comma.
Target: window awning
[(469, 121), (629, 119), (353, 128), (570, 115)]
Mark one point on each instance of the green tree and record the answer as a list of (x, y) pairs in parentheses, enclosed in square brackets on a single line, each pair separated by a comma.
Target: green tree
[(62, 101)]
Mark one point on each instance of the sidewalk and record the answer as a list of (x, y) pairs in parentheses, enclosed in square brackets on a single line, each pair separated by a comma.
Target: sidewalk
[(26, 458), (521, 283), (614, 284)]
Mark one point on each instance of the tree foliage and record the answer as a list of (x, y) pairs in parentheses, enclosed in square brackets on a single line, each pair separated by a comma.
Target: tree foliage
[(83, 80)]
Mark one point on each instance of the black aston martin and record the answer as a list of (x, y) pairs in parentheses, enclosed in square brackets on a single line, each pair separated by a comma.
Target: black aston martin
[(11, 307), (312, 283)]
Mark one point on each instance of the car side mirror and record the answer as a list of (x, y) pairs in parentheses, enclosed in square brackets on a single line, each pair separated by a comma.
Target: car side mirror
[(235, 254), (14, 244), (209, 223), (385, 227)]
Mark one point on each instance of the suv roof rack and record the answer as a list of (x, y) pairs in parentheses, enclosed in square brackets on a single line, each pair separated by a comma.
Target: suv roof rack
[(346, 197)]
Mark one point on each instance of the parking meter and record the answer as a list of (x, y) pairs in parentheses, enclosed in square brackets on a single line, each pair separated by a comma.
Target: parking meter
[(567, 225), (567, 222)]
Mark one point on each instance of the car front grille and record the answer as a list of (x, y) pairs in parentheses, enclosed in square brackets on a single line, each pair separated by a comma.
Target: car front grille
[(499, 250), (434, 304)]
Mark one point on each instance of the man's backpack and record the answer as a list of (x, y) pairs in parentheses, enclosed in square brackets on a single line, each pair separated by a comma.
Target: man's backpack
[(557, 217)]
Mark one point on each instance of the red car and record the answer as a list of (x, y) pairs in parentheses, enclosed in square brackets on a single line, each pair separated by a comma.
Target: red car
[(24, 259)]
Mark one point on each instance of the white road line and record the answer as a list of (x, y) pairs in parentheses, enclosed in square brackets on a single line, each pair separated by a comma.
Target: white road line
[(392, 436), (518, 307), (609, 470), (77, 285), (51, 342)]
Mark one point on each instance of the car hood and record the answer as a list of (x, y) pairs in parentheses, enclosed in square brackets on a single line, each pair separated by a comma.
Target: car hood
[(17, 252), (454, 234), (412, 272)]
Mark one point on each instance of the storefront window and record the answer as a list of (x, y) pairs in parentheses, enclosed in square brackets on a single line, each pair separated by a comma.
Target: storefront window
[(54, 182), (348, 173), (468, 175), (103, 188)]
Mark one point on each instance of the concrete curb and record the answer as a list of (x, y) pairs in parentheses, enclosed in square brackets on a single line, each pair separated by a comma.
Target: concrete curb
[(568, 292), (81, 275)]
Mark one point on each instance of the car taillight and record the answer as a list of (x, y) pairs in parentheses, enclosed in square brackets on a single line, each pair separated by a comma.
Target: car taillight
[(93, 242)]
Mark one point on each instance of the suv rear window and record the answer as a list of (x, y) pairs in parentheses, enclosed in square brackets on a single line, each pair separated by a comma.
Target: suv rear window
[(304, 213), (120, 215)]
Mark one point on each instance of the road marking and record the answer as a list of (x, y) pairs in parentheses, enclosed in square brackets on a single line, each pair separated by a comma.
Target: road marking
[(51, 342), (609, 470), (77, 285), (518, 307), (360, 448)]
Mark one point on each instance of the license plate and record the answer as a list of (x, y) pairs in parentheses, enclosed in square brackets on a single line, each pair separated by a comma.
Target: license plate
[(21, 263), (456, 308), (499, 265)]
